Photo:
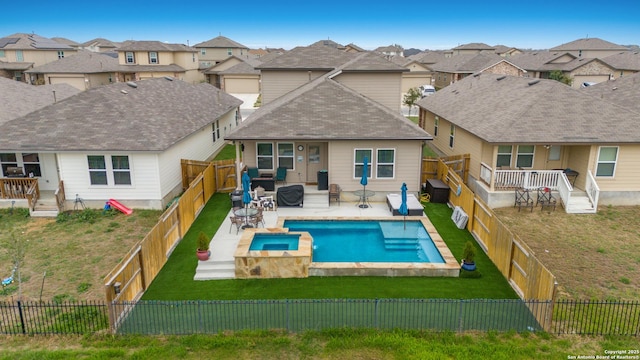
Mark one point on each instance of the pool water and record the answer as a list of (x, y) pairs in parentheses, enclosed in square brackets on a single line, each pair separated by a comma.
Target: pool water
[(368, 240), (274, 242)]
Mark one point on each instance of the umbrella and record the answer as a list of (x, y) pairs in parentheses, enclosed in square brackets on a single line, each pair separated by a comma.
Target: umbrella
[(403, 205), (246, 195), (363, 180)]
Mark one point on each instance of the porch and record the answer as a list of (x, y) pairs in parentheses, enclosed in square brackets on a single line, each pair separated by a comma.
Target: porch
[(502, 183), (25, 192)]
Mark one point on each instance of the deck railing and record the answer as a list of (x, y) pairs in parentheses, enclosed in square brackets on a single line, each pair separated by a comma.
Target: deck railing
[(20, 188), (528, 179), (592, 189)]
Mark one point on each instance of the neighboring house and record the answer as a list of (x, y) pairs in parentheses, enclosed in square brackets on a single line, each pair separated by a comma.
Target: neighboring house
[(215, 50), (623, 91), (325, 125), (429, 57), (20, 52), (472, 49), (588, 70), (83, 70), (418, 73), (66, 41), (539, 64), (506, 51), (122, 141), (351, 47), (99, 45), (150, 59), (368, 73), (625, 62), (329, 43), (391, 50), (590, 48), (521, 131), (459, 66), (235, 75)]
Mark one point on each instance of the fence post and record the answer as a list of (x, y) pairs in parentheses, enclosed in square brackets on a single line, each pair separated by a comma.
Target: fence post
[(24, 329), (460, 316), (286, 301), (375, 314)]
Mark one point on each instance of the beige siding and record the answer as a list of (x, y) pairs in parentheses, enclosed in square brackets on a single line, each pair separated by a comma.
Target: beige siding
[(414, 80), (38, 57), (77, 81), (227, 64), (627, 170), (278, 83), (100, 79), (239, 84), (384, 88)]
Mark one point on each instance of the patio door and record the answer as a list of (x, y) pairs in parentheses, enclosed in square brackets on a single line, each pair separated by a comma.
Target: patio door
[(316, 161)]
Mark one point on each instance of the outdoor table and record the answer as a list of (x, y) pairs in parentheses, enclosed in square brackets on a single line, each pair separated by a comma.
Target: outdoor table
[(363, 198), (246, 213)]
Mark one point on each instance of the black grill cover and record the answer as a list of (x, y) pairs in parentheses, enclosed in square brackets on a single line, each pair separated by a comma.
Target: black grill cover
[(290, 195)]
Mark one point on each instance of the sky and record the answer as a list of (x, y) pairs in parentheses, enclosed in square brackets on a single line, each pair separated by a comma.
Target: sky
[(433, 25)]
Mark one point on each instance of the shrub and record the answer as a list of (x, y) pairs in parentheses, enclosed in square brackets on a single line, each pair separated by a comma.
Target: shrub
[(203, 241), (469, 252)]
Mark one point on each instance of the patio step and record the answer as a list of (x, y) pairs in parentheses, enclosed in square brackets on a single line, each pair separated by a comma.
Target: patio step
[(580, 204), (215, 270), (318, 199), (45, 207)]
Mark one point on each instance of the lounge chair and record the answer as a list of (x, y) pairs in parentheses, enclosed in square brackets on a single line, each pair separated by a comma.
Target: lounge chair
[(281, 175), (334, 192)]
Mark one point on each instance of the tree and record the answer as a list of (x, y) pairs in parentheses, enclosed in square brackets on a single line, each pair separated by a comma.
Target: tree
[(560, 76), (411, 97)]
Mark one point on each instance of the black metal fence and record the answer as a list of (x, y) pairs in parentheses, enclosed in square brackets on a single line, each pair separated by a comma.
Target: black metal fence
[(188, 317)]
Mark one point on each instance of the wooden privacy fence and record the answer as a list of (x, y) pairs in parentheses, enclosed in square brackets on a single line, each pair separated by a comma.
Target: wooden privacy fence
[(225, 173), (129, 280)]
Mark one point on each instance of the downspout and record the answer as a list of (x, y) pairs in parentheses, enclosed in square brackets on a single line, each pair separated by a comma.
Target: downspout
[(238, 164)]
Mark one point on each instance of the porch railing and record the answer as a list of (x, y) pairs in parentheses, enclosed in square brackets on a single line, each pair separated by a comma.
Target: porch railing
[(20, 188), (60, 196), (592, 189), (528, 179)]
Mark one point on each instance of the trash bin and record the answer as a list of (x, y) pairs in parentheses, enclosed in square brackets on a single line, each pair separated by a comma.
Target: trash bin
[(236, 199), (323, 180)]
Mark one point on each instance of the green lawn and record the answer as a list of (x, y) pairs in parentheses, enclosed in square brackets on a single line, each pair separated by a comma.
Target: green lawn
[(175, 281)]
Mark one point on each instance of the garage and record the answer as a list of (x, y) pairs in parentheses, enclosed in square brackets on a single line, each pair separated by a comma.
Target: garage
[(241, 85), (76, 82)]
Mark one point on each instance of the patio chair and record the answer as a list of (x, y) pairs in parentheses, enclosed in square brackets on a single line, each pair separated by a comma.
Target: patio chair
[(523, 199), (281, 175), (546, 199), (253, 173), (237, 221), (334, 192), (257, 219)]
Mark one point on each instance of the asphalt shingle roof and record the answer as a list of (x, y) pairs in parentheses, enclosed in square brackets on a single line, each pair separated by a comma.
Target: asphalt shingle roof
[(318, 57), (83, 62), (467, 63), (588, 44), (474, 46), (154, 46), (220, 42), (153, 116), (625, 60), (507, 109), (624, 91), (539, 60), (20, 41), (18, 99)]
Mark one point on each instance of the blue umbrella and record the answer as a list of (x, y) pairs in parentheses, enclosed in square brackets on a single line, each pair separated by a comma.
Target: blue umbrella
[(363, 180), (246, 195), (403, 205)]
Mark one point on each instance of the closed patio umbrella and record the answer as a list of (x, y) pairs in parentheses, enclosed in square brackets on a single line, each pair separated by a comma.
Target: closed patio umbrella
[(246, 194), (363, 180), (403, 205)]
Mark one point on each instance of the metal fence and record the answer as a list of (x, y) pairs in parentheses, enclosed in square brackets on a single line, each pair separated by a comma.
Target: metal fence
[(187, 317)]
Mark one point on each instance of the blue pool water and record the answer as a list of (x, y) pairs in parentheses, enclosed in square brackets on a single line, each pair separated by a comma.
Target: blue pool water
[(368, 241), (274, 242)]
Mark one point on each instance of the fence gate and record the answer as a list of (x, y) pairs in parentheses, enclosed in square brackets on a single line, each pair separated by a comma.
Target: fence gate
[(225, 176)]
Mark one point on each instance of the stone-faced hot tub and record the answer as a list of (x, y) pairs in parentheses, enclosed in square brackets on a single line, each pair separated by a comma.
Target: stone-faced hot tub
[(273, 253)]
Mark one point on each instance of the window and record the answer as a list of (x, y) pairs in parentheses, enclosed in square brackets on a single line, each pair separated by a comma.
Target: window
[(2, 53), (31, 164), (385, 167), (525, 156), (60, 54), (229, 51), (452, 135), (607, 158), (17, 75), (19, 56), (121, 170), (203, 51), (8, 160), (215, 127), (285, 155), (265, 156), (554, 153), (153, 57), (97, 170), (436, 123), (504, 155), (358, 163), (130, 57)]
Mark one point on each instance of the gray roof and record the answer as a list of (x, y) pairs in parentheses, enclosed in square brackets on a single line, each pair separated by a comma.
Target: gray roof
[(624, 91), (65, 41), (539, 60), (390, 48), (329, 43), (154, 46), (624, 60), (84, 62), (241, 68), (22, 41), (15, 65), (153, 116), (474, 46), (326, 110), (220, 42), (151, 68), (103, 43), (18, 99), (508, 109), (428, 57), (467, 63), (588, 44), (317, 57), (370, 61)]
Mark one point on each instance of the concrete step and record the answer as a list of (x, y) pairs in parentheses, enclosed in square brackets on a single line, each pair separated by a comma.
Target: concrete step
[(580, 205), (44, 213), (210, 270), (316, 200)]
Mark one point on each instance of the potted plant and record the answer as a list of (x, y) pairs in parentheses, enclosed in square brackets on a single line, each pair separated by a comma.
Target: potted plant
[(202, 250), (468, 257)]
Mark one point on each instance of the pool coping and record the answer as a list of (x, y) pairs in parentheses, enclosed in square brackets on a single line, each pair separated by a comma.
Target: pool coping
[(450, 267)]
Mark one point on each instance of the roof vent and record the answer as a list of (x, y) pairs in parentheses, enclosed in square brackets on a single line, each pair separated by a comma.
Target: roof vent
[(501, 77), (168, 78), (124, 91), (533, 82), (614, 88), (477, 74), (132, 84)]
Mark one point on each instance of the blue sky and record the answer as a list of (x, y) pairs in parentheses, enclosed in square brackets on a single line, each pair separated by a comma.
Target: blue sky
[(368, 24)]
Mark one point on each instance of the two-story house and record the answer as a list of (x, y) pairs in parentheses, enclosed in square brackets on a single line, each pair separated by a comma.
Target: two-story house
[(219, 48), (152, 59), (457, 67), (590, 48), (83, 70), (20, 52)]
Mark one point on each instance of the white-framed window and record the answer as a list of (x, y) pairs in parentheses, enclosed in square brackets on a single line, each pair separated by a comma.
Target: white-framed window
[(264, 156), (524, 158), (105, 170), (285, 155), (452, 135), (229, 51), (2, 53), (203, 51), (19, 55), (386, 163), (215, 128), (504, 155), (8, 160), (607, 159), (130, 57), (436, 123), (60, 54), (153, 57), (31, 164), (358, 162)]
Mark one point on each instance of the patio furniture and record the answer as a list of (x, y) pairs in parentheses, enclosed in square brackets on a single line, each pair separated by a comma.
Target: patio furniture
[(257, 218), (237, 221), (363, 198), (281, 175), (546, 199), (523, 199), (267, 183), (253, 172), (334, 192), (414, 206), (292, 195)]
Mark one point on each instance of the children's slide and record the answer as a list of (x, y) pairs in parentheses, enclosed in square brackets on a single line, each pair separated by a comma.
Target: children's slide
[(118, 206)]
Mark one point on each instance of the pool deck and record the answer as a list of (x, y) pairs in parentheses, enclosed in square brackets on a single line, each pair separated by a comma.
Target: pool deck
[(221, 264)]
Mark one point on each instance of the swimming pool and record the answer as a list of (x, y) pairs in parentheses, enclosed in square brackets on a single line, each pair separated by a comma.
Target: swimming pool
[(368, 241), (270, 241)]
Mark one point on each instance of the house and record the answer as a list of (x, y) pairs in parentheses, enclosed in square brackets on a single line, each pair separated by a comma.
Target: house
[(418, 74), (121, 141), (83, 70), (590, 48), (540, 64), (149, 59), (622, 91), (217, 49), (236, 75), (368, 73), (351, 47), (588, 70), (457, 67), (99, 45), (624, 63), (506, 51), (20, 52), (18, 99), (66, 41), (522, 132), (391, 50), (472, 49), (325, 125)]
